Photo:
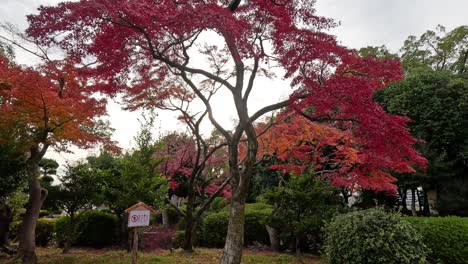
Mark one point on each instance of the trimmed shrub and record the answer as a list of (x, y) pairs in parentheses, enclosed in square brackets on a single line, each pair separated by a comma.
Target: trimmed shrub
[(215, 229), (447, 237), (218, 204), (256, 215), (95, 229), (373, 236), (44, 231)]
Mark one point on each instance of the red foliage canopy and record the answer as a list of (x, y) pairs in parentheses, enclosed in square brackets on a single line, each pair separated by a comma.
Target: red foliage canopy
[(180, 164), (326, 151), (141, 46), (51, 106)]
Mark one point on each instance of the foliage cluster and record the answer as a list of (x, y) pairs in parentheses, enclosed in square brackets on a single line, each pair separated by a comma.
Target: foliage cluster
[(302, 205), (373, 236), (96, 229), (256, 217), (45, 231), (446, 237)]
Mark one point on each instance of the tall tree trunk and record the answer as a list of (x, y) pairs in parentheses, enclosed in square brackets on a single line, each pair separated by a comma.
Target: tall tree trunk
[(298, 246), (273, 234), (426, 210), (413, 202), (6, 216), (420, 202), (403, 195), (232, 253), (189, 233), (37, 195), (165, 218), (189, 222)]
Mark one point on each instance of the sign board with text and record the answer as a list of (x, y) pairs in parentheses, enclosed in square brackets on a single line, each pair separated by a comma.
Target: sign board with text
[(138, 218), (139, 215)]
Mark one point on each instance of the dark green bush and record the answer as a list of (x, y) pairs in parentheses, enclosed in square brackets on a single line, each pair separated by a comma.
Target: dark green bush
[(256, 215), (373, 236), (44, 231), (447, 237), (218, 204), (215, 229), (95, 229), (14, 230)]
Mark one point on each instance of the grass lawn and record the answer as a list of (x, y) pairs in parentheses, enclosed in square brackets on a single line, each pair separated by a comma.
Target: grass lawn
[(201, 256)]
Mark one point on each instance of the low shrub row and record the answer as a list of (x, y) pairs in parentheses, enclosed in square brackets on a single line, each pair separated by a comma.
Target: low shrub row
[(256, 216), (95, 229), (44, 231), (447, 237)]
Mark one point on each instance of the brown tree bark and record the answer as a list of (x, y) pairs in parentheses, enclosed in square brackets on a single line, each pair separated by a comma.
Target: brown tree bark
[(232, 253), (165, 218), (37, 195), (6, 216), (274, 238)]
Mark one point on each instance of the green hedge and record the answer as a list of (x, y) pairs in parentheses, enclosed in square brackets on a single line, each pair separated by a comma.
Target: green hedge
[(373, 236), (44, 231), (95, 229), (256, 215), (447, 237)]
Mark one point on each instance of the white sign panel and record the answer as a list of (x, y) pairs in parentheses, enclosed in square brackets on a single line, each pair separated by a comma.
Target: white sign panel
[(138, 218)]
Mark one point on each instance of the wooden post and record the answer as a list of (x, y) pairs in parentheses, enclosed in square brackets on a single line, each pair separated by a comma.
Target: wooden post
[(135, 245)]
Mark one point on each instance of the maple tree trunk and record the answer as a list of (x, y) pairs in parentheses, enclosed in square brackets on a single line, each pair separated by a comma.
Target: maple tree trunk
[(165, 218), (189, 222), (37, 195), (188, 236), (403, 193), (274, 238), (426, 210), (6, 216), (232, 253)]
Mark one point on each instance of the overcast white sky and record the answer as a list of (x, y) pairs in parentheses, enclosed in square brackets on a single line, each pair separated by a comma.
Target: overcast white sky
[(363, 23)]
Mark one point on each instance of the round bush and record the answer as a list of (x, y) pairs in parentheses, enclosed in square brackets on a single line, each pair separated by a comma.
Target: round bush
[(446, 237), (373, 236), (256, 215), (95, 229), (215, 229), (44, 231)]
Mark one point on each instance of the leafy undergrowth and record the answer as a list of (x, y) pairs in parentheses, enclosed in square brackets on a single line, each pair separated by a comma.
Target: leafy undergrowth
[(201, 256)]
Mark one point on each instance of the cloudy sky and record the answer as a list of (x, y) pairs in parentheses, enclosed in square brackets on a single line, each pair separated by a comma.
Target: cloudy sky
[(363, 23)]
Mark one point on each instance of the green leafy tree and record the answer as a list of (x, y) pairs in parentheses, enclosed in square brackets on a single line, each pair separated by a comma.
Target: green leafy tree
[(301, 205), (75, 193), (438, 50), (130, 178), (437, 102)]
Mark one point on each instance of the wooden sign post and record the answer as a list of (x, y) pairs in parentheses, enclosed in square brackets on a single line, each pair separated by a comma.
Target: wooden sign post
[(138, 215)]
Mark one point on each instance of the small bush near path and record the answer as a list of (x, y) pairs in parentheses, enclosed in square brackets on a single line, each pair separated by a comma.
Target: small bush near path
[(201, 256)]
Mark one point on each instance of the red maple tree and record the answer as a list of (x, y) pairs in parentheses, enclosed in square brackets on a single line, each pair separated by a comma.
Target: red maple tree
[(143, 45), (329, 152), (47, 107)]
